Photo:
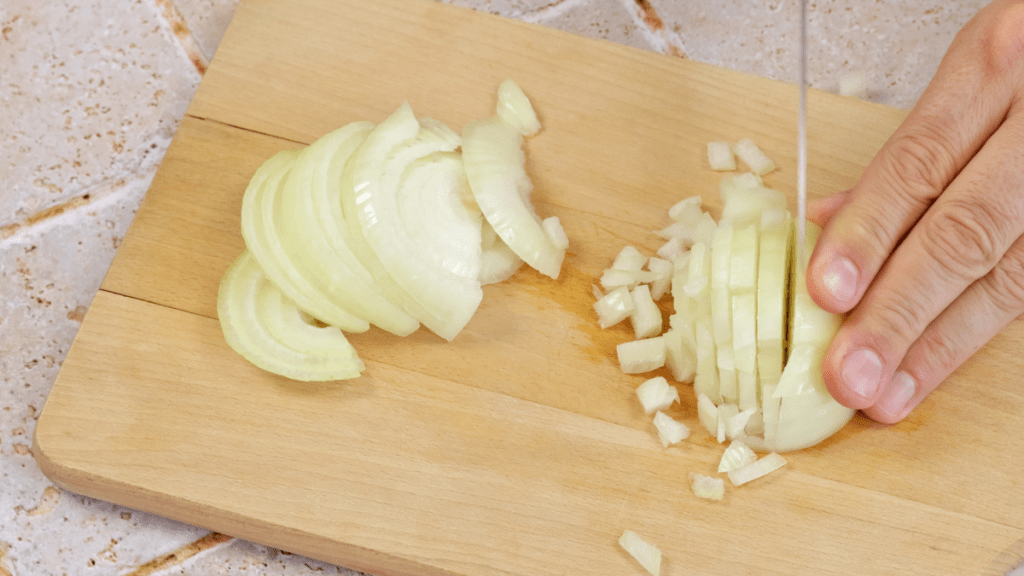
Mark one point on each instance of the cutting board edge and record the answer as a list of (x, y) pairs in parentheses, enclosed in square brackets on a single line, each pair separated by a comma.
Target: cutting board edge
[(82, 482)]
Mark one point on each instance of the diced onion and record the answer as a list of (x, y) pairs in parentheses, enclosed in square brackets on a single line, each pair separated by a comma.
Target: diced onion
[(767, 464), (641, 356), (629, 258), (553, 227), (614, 307), (707, 413), (646, 554), (707, 487), (670, 431), (687, 211), (736, 455), (737, 423), (664, 268), (680, 353), (720, 156), (646, 316), (656, 394), (753, 157)]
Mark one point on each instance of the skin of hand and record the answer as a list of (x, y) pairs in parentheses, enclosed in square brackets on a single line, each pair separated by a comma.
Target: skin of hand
[(926, 252)]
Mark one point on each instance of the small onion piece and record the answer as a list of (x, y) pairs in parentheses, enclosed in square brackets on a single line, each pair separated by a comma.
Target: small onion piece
[(736, 455), (707, 487), (720, 156), (515, 109), (670, 431), (614, 307), (752, 156), (641, 356), (656, 394), (646, 316), (646, 554), (497, 261), (768, 463)]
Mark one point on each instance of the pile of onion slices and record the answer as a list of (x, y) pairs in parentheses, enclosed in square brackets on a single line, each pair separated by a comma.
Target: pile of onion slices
[(392, 225)]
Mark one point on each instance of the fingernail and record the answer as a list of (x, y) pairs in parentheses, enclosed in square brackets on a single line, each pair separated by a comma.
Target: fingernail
[(840, 278), (862, 372), (901, 390)]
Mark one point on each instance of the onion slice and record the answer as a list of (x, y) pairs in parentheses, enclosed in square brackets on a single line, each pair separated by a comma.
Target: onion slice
[(647, 555), (768, 463), (265, 327), (494, 160)]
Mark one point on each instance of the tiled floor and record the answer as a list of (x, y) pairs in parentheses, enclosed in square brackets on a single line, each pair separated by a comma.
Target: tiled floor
[(91, 92)]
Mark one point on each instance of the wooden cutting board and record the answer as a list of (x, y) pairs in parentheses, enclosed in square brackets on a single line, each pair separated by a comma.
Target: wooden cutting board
[(518, 448)]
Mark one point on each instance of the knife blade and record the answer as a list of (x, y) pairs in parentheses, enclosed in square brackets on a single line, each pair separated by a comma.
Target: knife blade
[(802, 141), (801, 174)]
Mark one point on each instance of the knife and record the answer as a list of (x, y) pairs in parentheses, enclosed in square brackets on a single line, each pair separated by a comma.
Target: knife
[(801, 159)]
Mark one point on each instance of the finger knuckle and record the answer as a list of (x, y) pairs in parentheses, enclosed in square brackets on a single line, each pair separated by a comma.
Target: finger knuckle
[(1005, 283), (962, 238), (920, 163), (1002, 44), (897, 323)]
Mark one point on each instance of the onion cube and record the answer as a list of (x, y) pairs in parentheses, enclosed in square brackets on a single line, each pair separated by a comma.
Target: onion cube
[(641, 356), (656, 394), (670, 431), (720, 156)]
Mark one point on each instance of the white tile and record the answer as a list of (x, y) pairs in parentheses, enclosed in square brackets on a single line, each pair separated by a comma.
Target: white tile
[(92, 92), (241, 558), (207, 20), (898, 44)]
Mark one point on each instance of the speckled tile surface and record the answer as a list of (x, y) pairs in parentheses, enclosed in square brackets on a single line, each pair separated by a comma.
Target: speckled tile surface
[(90, 95)]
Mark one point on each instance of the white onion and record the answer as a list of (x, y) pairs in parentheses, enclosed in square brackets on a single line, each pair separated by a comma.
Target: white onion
[(614, 307), (767, 464), (497, 261), (641, 356), (687, 211), (753, 157), (494, 161), (707, 487), (736, 455), (669, 431), (646, 316), (680, 353), (647, 555), (664, 269), (656, 394), (268, 330), (515, 108), (720, 156), (629, 258)]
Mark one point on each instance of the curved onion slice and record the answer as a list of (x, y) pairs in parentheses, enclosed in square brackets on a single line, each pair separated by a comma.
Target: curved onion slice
[(315, 233), (260, 224), (268, 330), (497, 261), (391, 205), (494, 159), (515, 109)]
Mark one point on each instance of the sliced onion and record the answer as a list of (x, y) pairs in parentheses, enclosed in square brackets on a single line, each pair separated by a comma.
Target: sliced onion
[(260, 222), (707, 413), (767, 464), (707, 487), (647, 555), (656, 394), (641, 356), (736, 455), (664, 269), (670, 431), (392, 217), (494, 160), (515, 109), (316, 236), (268, 330), (497, 261)]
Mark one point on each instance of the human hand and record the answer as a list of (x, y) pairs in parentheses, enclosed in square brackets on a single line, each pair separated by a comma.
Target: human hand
[(926, 251)]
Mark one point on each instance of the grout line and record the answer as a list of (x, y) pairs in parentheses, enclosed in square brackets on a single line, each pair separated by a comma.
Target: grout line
[(552, 10), (647, 19), (208, 542), (94, 195), (183, 34)]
